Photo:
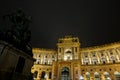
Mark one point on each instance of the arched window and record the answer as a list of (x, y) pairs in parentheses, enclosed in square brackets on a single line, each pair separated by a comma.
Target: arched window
[(117, 75), (106, 76), (87, 76), (96, 76), (35, 74), (113, 58), (43, 75), (103, 59)]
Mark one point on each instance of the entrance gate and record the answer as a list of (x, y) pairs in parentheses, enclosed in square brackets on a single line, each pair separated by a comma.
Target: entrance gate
[(65, 73)]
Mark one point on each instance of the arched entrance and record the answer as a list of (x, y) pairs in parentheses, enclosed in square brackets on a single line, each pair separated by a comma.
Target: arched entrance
[(87, 76), (65, 73), (106, 76), (43, 75), (117, 75), (35, 74), (96, 76)]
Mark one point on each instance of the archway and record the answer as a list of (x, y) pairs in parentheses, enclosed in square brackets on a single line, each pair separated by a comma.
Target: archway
[(97, 76), (65, 73), (87, 76), (43, 75), (106, 76), (35, 74), (117, 75)]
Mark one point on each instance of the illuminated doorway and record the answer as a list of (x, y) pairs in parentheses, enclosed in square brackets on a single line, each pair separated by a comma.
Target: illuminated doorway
[(65, 73)]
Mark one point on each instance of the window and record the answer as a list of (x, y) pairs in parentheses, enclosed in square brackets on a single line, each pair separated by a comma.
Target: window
[(37, 62), (20, 65), (52, 56), (86, 63), (102, 54), (94, 62), (113, 61), (45, 63), (35, 74), (94, 55), (110, 69), (85, 56), (76, 71), (43, 75), (75, 49), (91, 70), (111, 53), (103, 62), (83, 70), (50, 74)]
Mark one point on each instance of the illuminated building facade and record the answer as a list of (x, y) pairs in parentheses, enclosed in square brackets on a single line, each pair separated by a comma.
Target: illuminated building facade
[(71, 62)]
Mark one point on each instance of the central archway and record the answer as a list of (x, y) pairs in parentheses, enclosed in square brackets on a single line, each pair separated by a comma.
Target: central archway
[(65, 73)]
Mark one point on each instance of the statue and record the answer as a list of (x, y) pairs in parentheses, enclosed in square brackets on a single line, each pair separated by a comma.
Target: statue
[(19, 34), (19, 30)]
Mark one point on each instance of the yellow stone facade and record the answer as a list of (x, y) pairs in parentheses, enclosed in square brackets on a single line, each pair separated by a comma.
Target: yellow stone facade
[(71, 62)]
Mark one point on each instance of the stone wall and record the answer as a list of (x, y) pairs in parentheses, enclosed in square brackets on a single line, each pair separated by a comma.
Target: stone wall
[(14, 63)]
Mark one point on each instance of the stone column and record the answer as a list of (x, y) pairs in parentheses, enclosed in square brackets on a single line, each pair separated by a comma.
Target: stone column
[(71, 71), (108, 58), (107, 55), (116, 55), (98, 59), (89, 58), (118, 52), (62, 54)]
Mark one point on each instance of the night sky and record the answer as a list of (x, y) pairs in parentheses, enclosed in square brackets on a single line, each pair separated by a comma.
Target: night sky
[(95, 22)]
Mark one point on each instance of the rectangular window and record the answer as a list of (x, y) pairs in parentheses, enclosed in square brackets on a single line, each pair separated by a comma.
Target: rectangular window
[(75, 49), (50, 74), (20, 65)]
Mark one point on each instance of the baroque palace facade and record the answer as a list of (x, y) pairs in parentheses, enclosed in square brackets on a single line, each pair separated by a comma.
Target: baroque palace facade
[(71, 62)]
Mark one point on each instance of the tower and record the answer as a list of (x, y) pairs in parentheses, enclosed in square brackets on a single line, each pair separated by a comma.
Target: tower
[(68, 48), (68, 64)]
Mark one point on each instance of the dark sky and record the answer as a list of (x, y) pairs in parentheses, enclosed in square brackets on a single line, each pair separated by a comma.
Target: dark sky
[(95, 22)]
